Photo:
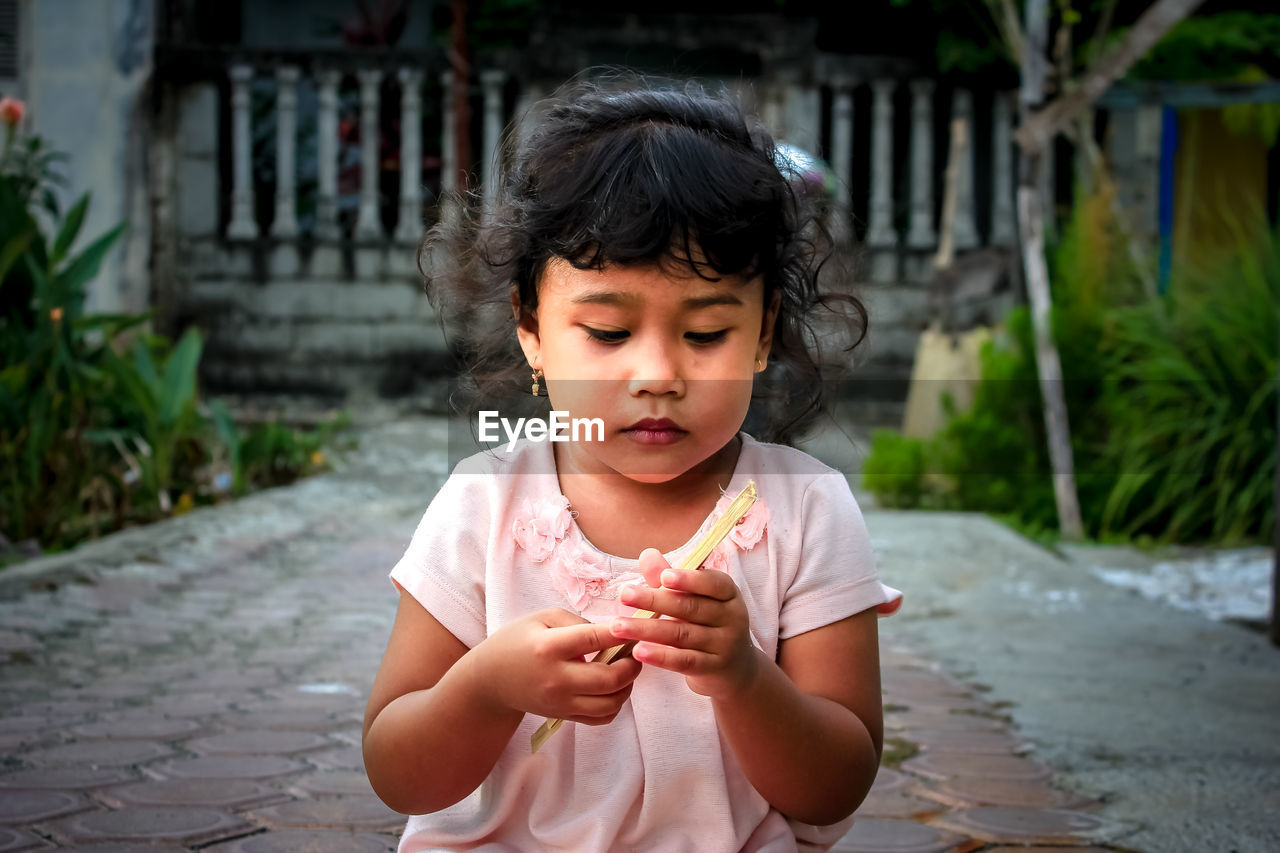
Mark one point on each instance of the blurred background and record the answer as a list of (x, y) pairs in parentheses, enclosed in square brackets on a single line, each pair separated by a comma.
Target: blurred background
[(261, 175)]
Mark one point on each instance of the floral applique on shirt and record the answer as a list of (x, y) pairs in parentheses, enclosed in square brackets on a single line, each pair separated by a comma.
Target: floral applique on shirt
[(544, 529)]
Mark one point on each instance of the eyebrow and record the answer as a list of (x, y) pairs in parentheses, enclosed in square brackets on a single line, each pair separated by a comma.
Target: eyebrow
[(614, 298)]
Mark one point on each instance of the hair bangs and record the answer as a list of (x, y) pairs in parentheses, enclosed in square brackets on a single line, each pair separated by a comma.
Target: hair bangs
[(656, 192)]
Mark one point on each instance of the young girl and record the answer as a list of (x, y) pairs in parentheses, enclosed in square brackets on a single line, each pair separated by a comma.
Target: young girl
[(652, 260)]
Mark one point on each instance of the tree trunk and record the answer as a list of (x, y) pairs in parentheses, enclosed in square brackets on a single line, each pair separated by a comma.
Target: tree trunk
[(1031, 239), (1048, 365), (1037, 131)]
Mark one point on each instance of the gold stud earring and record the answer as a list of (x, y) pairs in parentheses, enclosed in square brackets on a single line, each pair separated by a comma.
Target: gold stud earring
[(535, 389)]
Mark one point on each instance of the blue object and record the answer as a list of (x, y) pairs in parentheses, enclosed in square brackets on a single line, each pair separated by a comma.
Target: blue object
[(1168, 160)]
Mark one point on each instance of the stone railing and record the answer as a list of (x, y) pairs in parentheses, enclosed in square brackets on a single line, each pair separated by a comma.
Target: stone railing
[(898, 254), (298, 197), (367, 232)]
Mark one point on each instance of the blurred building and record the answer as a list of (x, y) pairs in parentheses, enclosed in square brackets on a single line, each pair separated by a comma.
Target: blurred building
[(278, 160)]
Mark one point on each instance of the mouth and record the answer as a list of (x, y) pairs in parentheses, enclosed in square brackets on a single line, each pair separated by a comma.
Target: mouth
[(655, 431)]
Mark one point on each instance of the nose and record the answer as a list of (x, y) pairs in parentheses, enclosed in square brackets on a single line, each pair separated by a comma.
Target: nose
[(657, 368)]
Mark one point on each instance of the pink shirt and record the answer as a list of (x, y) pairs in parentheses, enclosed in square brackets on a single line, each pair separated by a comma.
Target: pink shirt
[(498, 542)]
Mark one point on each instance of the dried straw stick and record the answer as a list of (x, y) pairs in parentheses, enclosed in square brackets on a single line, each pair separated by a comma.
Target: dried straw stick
[(732, 515)]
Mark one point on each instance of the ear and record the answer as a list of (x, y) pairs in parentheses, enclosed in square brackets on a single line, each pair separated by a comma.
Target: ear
[(527, 331), (766, 326)]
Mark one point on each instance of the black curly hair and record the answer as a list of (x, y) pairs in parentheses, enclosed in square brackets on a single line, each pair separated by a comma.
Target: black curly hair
[(624, 172)]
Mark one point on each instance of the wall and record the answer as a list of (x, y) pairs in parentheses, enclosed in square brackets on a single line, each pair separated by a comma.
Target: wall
[(87, 93)]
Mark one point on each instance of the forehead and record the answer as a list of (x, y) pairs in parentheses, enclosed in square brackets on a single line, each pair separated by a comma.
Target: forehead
[(637, 285)]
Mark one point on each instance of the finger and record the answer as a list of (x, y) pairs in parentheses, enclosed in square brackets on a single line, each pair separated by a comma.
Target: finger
[(689, 607), (682, 661), (558, 617), (667, 632), (574, 642), (652, 564), (596, 709), (594, 679), (717, 585)]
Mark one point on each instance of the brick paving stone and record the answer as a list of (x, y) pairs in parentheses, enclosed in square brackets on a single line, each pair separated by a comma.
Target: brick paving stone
[(259, 742), (944, 721), (100, 753), (65, 708), (16, 641), (138, 728), (882, 835), (190, 705), (23, 807), (992, 743), (347, 758), (358, 812), (15, 839), (309, 720), (940, 704), (95, 692), (333, 782), (962, 792), (68, 778), (129, 847), (898, 804), (307, 841), (943, 765), (888, 779), (233, 794), (1033, 826), (229, 767), (1044, 849), (188, 826)]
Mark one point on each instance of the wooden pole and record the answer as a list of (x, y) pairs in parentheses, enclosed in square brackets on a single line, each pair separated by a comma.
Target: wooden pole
[(461, 94)]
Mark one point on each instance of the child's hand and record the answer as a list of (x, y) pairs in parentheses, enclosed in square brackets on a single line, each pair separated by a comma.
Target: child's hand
[(706, 639), (537, 664)]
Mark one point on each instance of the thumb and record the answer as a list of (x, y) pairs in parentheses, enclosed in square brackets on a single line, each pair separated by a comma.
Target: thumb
[(652, 564)]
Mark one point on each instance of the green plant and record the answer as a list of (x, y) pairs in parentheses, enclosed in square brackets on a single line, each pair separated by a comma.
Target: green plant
[(1193, 403), (50, 351), (1172, 402), (895, 469), (156, 406)]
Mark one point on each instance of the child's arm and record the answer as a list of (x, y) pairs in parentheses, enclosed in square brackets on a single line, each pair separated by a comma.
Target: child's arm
[(807, 729), (439, 715)]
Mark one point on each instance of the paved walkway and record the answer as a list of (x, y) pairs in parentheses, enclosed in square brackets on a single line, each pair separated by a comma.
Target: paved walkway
[(200, 685)]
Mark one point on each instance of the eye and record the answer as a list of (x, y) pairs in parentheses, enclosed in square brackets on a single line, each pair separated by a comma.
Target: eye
[(706, 337), (608, 336)]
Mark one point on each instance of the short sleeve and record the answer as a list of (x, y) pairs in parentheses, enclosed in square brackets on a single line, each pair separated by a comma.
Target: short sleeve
[(444, 566), (836, 576)]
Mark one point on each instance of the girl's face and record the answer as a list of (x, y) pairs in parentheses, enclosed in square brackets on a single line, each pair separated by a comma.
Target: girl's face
[(665, 360)]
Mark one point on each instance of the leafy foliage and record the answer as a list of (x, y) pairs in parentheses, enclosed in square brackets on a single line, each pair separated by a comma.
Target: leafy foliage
[(1172, 402), (92, 439)]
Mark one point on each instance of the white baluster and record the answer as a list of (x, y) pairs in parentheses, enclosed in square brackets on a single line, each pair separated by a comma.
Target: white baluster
[(966, 229), (327, 156), (409, 228), (448, 142), (491, 81), (368, 220), (285, 226), (1002, 231), (881, 236), (842, 142), (242, 225), (921, 234)]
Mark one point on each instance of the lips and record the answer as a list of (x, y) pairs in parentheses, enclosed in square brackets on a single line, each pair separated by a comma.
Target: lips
[(655, 431)]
